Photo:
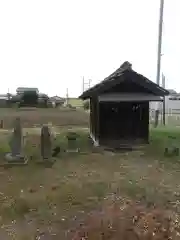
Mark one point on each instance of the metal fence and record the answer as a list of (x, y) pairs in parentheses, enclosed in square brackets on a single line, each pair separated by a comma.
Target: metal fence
[(172, 117)]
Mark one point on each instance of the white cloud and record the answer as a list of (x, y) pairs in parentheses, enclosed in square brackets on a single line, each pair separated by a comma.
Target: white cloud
[(52, 44)]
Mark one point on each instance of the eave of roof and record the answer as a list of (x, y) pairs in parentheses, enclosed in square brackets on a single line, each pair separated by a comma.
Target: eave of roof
[(117, 77)]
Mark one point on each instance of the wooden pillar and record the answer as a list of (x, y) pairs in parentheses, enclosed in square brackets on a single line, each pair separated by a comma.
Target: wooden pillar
[(147, 121), (97, 119), (91, 117), (164, 114)]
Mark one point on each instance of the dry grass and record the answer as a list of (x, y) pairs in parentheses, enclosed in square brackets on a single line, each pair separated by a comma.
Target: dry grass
[(37, 117), (89, 193), (90, 196), (123, 219)]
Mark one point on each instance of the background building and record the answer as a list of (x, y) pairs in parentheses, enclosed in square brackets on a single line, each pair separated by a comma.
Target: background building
[(172, 103), (21, 90)]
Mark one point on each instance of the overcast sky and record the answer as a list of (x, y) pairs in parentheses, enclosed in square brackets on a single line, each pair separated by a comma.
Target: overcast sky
[(52, 44)]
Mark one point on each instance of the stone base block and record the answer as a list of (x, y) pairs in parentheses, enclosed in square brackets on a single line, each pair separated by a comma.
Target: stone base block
[(73, 150), (46, 162), (14, 160), (171, 151)]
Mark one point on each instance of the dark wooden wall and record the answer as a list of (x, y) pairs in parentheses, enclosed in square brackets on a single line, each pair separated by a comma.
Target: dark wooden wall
[(119, 121), (145, 121), (116, 120)]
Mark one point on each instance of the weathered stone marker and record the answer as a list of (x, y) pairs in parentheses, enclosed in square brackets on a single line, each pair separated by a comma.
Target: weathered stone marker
[(172, 149), (46, 145), (16, 145), (72, 142)]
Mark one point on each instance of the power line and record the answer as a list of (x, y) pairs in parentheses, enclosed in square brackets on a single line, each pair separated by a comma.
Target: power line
[(86, 85), (67, 96)]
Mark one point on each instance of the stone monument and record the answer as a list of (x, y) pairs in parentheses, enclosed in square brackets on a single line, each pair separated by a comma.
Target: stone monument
[(72, 142), (172, 148), (46, 146), (16, 155)]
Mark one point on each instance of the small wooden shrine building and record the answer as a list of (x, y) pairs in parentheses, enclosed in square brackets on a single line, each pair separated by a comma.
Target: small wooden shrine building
[(119, 107)]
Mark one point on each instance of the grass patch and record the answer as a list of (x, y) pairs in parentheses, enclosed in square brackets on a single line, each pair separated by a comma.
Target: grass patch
[(81, 183), (162, 133), (75, 102), (82, 140), (161, 138), (32, 148)]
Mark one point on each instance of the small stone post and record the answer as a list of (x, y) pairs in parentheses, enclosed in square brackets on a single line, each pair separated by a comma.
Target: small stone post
[(46, 144), (16, 145)]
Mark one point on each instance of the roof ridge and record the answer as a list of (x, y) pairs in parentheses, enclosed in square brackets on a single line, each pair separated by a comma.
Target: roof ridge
[(124, 70), (126, 66), (123, 67)]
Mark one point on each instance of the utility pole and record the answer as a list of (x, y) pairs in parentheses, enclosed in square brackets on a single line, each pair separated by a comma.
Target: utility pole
[(67, 97), (83, 84), (163, 81), (164, 103), (89, 85), (159, 54)]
